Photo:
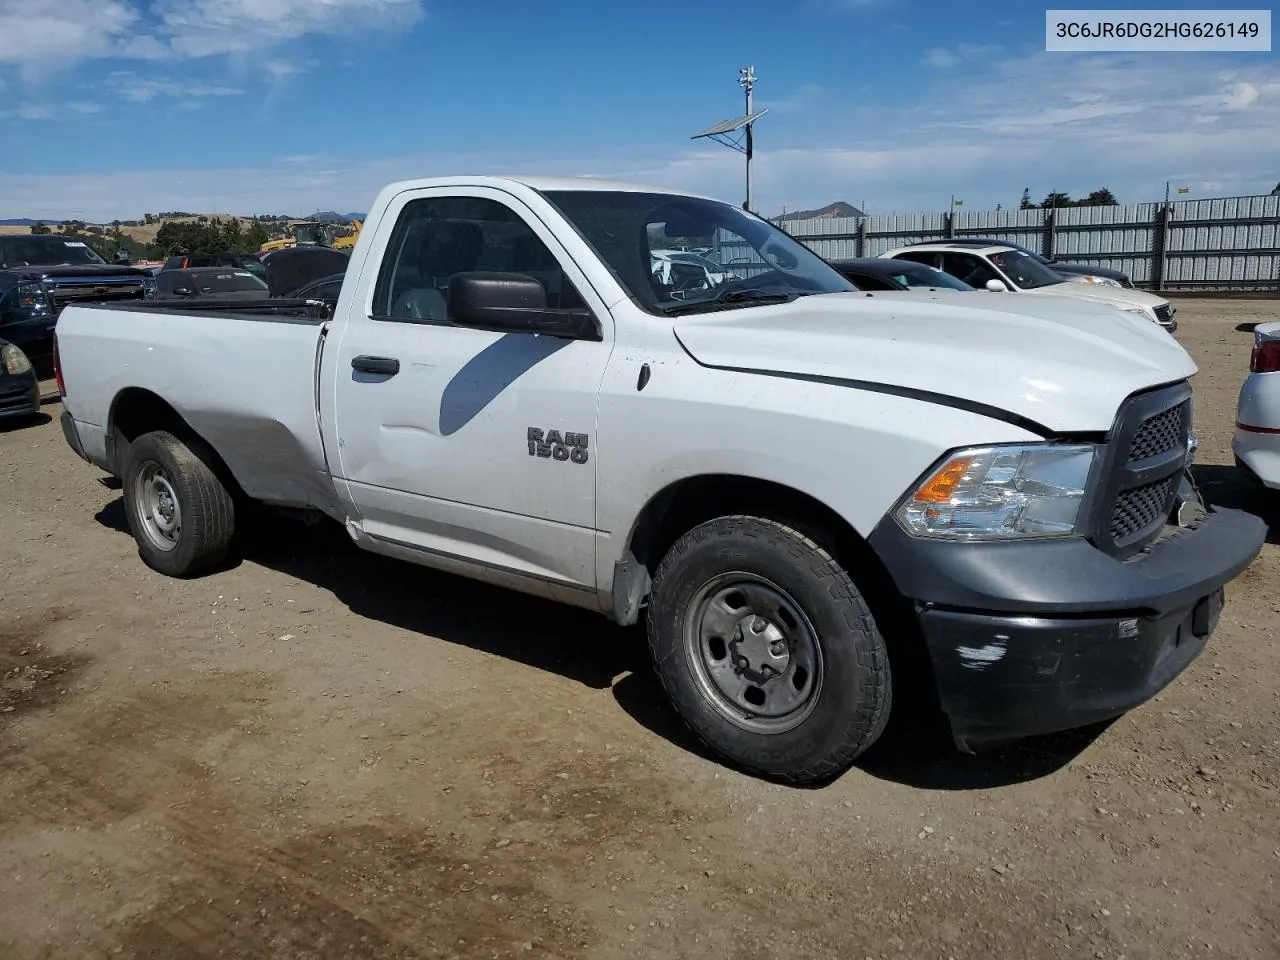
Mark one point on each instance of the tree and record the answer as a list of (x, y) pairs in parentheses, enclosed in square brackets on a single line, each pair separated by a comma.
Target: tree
[(1099, 198), (1025, 203), (1057, 199), (255, 237), (40, 227)]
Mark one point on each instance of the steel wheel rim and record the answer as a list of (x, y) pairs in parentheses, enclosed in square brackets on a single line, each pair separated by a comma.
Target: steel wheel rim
[(156, 504), (754, 652)]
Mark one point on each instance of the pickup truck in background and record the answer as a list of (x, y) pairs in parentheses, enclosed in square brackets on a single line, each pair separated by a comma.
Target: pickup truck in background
[(812, 495), (41, 273)]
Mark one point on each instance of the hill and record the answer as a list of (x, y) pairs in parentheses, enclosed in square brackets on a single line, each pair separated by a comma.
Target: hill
[(829, 212)]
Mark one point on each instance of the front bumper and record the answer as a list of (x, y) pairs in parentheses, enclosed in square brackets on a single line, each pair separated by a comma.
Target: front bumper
[(1032, 637), (19, 395)]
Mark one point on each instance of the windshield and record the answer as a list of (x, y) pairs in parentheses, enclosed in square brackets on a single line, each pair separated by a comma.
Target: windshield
[(640, 237), (44, 251), (922, 275), (1023, 270), (316, 233), (228, 281)]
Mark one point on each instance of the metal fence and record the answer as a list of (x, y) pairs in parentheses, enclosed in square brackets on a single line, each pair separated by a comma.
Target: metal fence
[(1230, 243)]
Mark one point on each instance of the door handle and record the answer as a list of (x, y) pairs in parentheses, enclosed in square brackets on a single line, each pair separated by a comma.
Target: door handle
[(388, 366)]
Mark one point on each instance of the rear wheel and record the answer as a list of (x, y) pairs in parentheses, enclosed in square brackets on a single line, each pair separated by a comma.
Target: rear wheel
[(767, 649), (179, 511)]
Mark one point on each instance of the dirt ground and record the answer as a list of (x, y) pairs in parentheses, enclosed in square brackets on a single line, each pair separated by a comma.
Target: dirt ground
[(323, 754)]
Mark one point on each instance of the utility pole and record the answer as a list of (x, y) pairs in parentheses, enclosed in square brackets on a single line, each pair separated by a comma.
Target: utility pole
[(747, 80), (737, 133)]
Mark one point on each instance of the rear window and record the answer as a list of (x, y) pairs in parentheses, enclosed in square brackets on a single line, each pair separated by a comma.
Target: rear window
[(228, 281)]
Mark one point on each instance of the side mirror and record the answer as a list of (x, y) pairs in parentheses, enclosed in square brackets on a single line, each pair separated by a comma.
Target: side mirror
[(122, 257), (514, 303), (997, 286)]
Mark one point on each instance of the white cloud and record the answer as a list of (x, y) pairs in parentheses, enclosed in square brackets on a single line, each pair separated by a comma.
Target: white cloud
[(940, 58), (38, 32), (34, 112), (139, 89), (85, 106), (284, 69), (199, 28), (944, 58)]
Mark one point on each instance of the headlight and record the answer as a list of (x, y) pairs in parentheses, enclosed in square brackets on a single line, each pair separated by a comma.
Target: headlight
[(14, 360), (1001, 493), (1144, 312), (1101, 281), (30, 301)]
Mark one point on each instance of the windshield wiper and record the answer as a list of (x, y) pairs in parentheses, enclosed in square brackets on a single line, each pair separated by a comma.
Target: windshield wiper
[(728, 299)]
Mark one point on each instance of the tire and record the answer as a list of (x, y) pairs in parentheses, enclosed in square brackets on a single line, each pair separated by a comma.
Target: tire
[(180, 513), (818, 647)]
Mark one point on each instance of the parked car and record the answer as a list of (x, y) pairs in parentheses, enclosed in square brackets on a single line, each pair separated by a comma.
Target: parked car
[(874, 273), (241, 261), (898, 279), (326, 290), (292, 268), (19, 388), (1068, 271), (683, 271), (791, 480), (1257, 438), (220, 283), (41, 273), (1002, 267)]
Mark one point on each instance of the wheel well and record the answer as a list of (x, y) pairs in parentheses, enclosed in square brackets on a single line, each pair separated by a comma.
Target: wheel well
[(136, 411), (685, 504), (688, 503)]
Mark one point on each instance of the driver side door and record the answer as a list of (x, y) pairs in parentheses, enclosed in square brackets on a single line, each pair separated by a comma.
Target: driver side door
[(470, 445)]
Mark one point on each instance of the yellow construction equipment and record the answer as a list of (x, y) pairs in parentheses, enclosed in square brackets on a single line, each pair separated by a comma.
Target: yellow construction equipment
[(305, 232), (349, 241)]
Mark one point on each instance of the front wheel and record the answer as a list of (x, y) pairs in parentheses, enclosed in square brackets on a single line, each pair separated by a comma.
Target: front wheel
[(767, 649), (179, 511)]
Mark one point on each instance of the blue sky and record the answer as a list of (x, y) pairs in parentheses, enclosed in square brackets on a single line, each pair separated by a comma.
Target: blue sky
[(110, 108)]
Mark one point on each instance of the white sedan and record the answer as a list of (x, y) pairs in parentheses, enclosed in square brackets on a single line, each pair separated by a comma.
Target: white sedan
[(1000, 268), (1257, 439)]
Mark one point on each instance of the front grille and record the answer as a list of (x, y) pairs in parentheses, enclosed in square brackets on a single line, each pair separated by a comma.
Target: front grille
[(1164, 314), (1139, 508), (1160, 433), (80, 290), (63, 297), (1145, 458)]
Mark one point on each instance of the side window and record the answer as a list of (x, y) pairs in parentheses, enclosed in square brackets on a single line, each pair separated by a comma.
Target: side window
[(437, 237), (972, 269), (927, 257), (173, 263)]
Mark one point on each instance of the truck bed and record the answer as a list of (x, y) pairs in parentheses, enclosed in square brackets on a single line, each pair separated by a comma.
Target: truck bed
[(242, 378)]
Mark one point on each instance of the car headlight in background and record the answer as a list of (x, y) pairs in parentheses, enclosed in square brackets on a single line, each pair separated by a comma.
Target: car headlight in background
[(1145, 312), (30, 301), (1101, 281), (1001, 493), (13, 360)]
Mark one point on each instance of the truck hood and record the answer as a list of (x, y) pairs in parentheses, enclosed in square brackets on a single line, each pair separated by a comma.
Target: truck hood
[(104, 270), (1060, 363)]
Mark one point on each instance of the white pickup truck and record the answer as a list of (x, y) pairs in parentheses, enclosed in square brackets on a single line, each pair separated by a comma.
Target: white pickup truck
[(812, 495)]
